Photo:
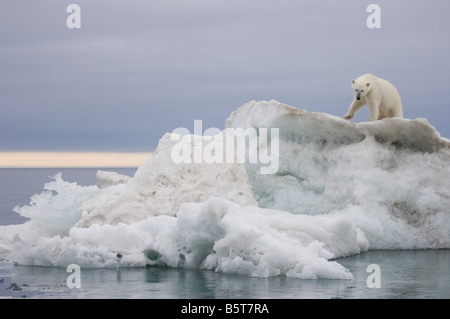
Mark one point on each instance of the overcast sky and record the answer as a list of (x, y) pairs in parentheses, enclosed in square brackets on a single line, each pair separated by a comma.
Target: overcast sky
[(137, 69)]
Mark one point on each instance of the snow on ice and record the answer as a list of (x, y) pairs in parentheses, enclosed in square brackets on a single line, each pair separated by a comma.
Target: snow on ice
[(340, 188)]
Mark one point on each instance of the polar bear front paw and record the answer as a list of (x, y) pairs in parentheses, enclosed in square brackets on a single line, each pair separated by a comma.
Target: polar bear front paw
[(348, 116)]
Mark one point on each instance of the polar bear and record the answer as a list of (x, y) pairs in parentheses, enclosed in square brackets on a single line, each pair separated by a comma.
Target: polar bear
[(381, 97)]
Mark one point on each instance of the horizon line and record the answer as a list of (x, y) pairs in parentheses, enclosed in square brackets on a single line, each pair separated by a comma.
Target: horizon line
[(71, 159)]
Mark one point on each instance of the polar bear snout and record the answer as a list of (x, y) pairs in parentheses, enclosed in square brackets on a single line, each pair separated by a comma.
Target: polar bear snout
[(358, 96)]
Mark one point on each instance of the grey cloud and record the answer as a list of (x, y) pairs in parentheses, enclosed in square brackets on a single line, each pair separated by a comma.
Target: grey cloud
[(138, 69)]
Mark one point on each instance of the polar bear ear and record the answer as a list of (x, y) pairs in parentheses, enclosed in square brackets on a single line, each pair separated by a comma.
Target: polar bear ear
[(353, 81), (367, 84)]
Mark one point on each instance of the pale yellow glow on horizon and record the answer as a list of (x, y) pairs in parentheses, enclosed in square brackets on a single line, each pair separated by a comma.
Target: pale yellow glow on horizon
[(71, 159)]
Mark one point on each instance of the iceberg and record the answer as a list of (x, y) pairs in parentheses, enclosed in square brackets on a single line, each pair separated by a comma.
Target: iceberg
[(339, 189)]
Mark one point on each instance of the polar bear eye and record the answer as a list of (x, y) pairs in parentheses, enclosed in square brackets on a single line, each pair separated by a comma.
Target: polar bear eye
[(362, 91)]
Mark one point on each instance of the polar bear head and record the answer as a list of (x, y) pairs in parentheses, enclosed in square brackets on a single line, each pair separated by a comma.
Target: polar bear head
[(361, 88)]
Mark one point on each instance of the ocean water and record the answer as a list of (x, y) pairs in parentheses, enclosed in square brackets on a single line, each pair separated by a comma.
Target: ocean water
[(402, 273)]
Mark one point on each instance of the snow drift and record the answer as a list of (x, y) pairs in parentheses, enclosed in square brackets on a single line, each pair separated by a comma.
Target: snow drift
[(340, 189)]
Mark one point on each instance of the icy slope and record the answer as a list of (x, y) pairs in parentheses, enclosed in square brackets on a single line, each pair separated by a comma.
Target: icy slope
[(160, 186), (339, 189), (394, 172)]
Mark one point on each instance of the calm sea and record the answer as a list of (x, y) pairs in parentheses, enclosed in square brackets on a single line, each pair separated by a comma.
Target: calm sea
[(400, 274)]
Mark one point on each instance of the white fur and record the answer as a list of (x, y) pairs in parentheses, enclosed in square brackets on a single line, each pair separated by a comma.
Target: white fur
[(381, 97)]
